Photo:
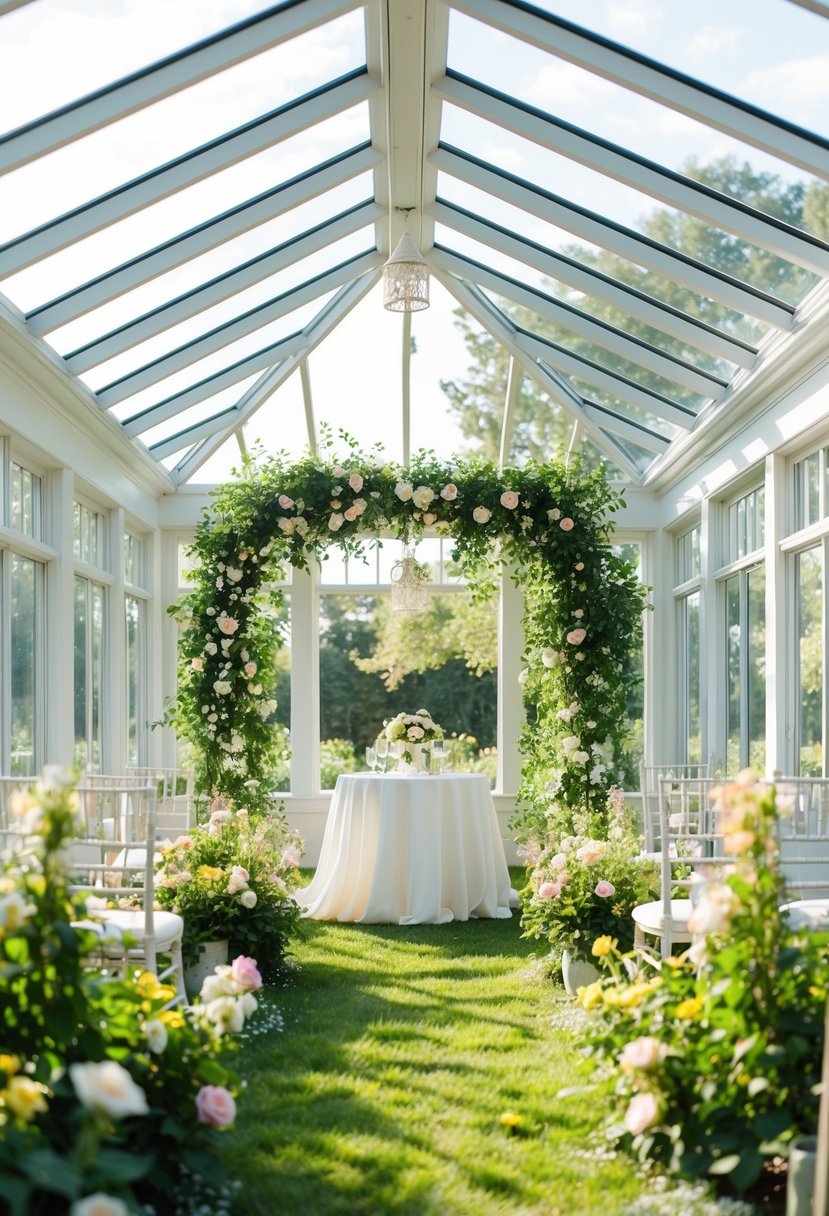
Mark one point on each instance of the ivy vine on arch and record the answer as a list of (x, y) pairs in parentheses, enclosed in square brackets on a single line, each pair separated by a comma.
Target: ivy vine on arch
[(550, 523)]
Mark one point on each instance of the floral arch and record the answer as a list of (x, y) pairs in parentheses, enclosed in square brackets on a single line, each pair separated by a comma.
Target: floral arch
[(551, 524)]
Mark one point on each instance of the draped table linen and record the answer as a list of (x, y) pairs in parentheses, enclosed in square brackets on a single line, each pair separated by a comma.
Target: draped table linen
[(410, 850)]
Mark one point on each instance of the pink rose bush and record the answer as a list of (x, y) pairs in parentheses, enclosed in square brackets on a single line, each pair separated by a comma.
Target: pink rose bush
[(586, 878)]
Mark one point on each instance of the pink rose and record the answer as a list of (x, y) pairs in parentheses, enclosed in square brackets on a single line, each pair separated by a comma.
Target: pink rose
[(335, 522), (509, 499), (227, 624), (566, 524), (605, 889), (250, 669), (338, 474), (558, 862), (350, 514), (245, 973), (579, 565), (285, 502), (642, 1113), (197, 664), (449, 492), (481, 515), (215, 1105), (429, 519), (640, 1054), (576, 636), (549, 890), (356, 482)]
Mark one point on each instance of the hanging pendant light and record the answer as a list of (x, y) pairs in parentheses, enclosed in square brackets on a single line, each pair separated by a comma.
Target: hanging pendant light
[(408, 585), (406, 278)]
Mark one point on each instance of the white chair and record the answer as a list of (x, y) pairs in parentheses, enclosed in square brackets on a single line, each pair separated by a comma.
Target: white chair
[(649, 777), (113, 864), (691, 846), (175, 812), (803, 835)]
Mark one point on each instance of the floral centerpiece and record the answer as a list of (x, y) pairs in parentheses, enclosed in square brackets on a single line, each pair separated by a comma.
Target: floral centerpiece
[(232, 878), (411, 732), (586, 880)]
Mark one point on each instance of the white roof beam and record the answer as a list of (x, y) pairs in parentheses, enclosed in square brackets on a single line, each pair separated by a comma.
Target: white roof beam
[(266, 385), (624, 242), (599, 377), (308, 406), (8, 6), (510, 404), (585, 327), (222, 335), (184, 171), (206, 236), (557, 391), (593, 283), (652, 79), (221, 288), (190, 435), (212, 55), (626, 428), (677, 191)]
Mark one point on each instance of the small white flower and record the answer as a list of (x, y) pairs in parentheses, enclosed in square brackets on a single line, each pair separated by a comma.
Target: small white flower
[(404, 490), (108, 1087), (156, 1035)]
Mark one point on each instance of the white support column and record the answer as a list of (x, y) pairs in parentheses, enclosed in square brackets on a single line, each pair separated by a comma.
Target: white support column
[(713, 643), (305, 683), (780, 718), (510, 705), (115, 709), (162, 643), (60, 624)]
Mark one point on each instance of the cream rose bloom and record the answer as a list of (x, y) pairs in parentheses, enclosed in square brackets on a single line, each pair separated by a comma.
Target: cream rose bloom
[(108, 1088)]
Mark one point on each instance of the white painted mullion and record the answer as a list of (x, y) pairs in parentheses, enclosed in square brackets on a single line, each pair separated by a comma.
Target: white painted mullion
[(308, 405), (510, 403), (625, 429)]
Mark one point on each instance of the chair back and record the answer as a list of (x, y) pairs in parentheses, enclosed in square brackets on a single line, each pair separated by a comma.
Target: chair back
[(650, 776), (113, 855), (175, 813), (803, 834), (691, 835)]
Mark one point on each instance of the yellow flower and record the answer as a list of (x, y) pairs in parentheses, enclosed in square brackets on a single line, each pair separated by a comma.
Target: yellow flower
[(627, 998), (591, 995), (173, 1018), (689, 1009), (209, 873), (9, 1064), (604, 945), (26, 1098), (147, 984), (510, 1119), (815, 991)]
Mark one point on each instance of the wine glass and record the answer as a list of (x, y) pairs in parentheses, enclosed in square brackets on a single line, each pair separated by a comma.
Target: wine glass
[(438, 755), (371, 758), (382, 749)]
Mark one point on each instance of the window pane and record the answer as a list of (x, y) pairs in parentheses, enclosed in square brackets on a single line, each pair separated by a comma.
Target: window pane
[(81, 625), (746, 525), (687, 555), (25, 501), (807, 491), (25, 611), (134, 626), (809, 575), (97, 671), (87, 528), (133, 560), (734, 644), (90, 614), (756, 706), (692, 698)]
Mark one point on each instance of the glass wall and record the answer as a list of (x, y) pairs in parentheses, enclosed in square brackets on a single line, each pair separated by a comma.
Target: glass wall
[(810, 667), (744, 597), (688, 602), (26, 596)]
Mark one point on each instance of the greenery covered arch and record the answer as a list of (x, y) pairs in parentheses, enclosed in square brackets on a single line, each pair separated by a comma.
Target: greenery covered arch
[(550, 523)]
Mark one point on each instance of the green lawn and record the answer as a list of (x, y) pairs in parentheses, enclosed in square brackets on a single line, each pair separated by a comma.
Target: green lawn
[(401, 1049)]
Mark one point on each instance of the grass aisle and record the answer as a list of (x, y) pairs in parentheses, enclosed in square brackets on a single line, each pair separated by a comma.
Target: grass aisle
[(402, 1048)]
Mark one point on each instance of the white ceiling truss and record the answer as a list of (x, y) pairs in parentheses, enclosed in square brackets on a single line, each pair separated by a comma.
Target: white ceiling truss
[(155, 371)]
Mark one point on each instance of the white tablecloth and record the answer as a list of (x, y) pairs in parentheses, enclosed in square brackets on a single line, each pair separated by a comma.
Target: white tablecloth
[(410, 850)]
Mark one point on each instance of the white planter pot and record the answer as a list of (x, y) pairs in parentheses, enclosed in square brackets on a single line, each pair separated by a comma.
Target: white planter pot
[(211, 955), (800, 1184), (419, 757), (577, 973)]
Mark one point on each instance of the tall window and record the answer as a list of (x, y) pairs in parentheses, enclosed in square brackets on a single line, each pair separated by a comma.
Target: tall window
[(745, 633), (26, 595), (25, 500), (90, 636), (135, 615), (811, 667), (688, 600), (811, 489)]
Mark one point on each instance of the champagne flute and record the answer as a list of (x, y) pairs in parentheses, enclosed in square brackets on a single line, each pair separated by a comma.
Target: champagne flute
[(371, 758), (382, 749), (438, 755)]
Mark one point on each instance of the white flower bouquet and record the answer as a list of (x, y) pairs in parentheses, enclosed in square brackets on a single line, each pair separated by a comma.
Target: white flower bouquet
[(413, 728)]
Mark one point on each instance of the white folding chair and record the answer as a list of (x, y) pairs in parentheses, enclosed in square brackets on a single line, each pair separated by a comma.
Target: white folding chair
[(803, 835), (649, 777), (691, 847), (113, 864), (176, 806)]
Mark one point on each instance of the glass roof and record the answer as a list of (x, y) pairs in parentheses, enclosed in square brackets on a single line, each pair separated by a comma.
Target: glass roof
[(623, 206)]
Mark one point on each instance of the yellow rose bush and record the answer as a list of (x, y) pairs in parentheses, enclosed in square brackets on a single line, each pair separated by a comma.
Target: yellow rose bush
[(718, 1051), (107, 1086)]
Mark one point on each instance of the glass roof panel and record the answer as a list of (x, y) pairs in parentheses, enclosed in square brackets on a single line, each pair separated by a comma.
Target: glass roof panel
[(216, 404), (279, 425), (551, 237), (218, 468), (173, 336), (625, 205), (770, 53)]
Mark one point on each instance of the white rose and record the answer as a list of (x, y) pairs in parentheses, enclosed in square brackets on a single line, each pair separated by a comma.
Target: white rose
[(99, 1204), (156, 1034), (107, 1087), (233, 574), (248, 899), (404, 490), (221, 687), (422, 497), (481, 515), (335, 521)]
